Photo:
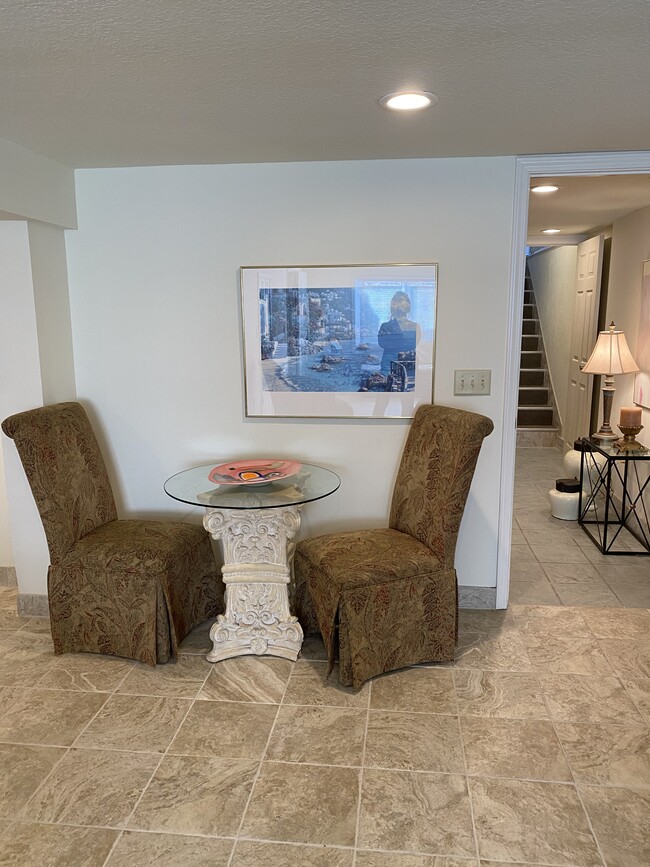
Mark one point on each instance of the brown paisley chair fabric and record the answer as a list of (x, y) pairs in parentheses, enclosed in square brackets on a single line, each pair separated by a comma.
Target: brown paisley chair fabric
[(383, 599), (123, 587)]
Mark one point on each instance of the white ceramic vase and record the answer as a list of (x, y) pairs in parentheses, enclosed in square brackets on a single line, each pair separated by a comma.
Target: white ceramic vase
[(571, 464), (564, 505)]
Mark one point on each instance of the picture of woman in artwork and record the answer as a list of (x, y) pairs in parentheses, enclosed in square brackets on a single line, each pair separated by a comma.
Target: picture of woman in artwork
[(399, 333)]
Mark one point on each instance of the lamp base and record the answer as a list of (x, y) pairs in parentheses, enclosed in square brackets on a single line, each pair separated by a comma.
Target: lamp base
[(604, 436)]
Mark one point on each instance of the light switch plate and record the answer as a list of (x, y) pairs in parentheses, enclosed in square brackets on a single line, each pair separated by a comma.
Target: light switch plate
[(472, 381)]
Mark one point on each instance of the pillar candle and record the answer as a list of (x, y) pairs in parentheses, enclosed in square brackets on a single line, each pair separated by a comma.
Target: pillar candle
[(630, 416)]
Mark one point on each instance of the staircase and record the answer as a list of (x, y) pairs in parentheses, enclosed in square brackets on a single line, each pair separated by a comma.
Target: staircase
[(536, 414)]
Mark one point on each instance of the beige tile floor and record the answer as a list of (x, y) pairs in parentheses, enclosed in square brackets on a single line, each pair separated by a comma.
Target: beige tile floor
[(533, 748), (554, 562)]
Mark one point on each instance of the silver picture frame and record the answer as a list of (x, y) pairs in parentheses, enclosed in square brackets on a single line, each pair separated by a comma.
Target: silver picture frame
[(338, 341)]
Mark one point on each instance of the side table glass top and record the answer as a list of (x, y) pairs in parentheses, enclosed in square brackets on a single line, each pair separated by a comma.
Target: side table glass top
[(194, 487), (612, 451)]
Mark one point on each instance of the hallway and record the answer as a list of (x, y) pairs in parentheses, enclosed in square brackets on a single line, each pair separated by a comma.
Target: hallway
[(554, 562)]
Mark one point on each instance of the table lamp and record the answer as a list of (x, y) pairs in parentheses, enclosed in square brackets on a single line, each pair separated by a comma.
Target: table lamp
[(611, 356)]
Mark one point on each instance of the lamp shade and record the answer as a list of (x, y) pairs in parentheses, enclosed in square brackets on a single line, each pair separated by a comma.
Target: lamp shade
[(611, 354)]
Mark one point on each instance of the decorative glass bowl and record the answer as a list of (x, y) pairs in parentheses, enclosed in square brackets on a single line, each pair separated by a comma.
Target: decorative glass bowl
[(255, 472)]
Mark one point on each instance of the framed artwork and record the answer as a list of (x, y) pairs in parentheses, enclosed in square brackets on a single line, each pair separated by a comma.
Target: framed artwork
[(642, 357), (339, 341)]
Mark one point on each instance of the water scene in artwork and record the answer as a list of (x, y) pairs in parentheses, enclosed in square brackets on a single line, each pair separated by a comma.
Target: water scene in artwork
[(346, 339)]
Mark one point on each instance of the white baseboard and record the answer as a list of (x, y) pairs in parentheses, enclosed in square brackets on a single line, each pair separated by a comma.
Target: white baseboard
[(477, 597), (33, 605), (36, 605)]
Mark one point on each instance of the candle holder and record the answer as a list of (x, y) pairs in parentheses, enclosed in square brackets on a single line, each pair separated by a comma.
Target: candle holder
[(629, 443)]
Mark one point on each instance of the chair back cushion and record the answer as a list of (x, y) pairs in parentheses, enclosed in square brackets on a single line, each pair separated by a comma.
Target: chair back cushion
[(65, 470), (435, 475)]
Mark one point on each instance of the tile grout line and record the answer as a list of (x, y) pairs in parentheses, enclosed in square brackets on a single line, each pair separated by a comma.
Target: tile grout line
[(469, 791), (72, 824), (361, 773), (645, 717), (69, 746), (154, 772), (395, 769), (575, 784), (261, 761)]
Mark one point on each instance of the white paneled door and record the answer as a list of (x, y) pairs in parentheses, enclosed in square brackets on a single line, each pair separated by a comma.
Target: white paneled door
[(584, 332)]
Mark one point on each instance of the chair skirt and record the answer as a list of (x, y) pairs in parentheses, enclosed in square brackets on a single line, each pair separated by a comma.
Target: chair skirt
[(101, 604), (378, 627)]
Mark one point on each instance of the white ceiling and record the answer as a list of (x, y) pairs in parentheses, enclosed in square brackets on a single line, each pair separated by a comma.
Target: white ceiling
[(583, 204), (142, 82), (148, 82)]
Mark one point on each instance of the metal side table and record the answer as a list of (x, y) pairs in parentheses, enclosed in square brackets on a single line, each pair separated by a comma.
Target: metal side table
[(613, 509)]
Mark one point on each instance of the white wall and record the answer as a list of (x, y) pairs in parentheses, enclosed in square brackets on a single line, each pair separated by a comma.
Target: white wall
[(6, 550), (37, 367), (553, 273), (21, 389), (34, 187), (630, 246), (52, 309), (153, 275)]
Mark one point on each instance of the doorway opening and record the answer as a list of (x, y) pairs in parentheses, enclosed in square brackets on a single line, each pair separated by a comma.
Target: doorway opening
[(548, 467)]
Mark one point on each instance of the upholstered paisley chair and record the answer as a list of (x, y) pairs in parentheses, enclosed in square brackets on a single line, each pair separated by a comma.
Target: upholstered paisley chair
[(383, 599), (129, 588)]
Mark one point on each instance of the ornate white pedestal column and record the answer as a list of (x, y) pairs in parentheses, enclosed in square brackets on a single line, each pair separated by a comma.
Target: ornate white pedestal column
[(256, 573)]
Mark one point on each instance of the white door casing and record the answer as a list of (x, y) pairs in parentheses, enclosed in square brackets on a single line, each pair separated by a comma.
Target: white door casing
[(584, 331), (539, 165)]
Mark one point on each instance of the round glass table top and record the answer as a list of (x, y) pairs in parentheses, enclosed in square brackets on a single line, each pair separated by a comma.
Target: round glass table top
[(194, 487)]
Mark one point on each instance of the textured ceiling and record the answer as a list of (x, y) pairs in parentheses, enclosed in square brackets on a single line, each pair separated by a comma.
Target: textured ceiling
[(582, 204), (135, 82)]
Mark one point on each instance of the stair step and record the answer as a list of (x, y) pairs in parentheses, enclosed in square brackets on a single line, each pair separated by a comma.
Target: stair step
[(530, 342), (533, 397), (535, 416), (535, 411), (531, 360), (537, 437), (531, 378)]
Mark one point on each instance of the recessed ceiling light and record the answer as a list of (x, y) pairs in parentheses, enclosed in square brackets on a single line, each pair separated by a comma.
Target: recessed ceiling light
[(544, 188), (411, 101), (551, 231)]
